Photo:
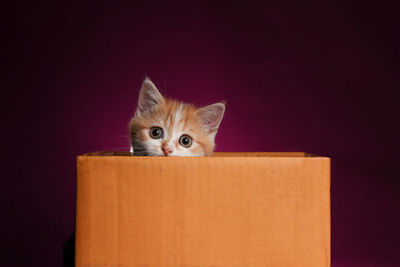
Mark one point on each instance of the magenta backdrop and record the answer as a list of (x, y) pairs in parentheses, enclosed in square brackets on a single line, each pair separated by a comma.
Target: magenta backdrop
[(321, 78)]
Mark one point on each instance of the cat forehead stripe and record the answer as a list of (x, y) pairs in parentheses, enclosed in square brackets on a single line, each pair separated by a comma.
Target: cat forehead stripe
[(178, 116)]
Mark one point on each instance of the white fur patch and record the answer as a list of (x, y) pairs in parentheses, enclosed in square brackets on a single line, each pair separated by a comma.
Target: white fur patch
[(172, 133)]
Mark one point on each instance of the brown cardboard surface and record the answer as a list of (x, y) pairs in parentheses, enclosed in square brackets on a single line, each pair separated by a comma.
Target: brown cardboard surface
[(232, 209)]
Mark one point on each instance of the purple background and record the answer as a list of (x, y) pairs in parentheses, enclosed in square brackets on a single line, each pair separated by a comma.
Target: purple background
[(321, 78)]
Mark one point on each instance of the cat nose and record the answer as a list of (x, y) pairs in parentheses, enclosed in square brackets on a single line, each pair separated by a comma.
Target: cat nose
[(166, 150)]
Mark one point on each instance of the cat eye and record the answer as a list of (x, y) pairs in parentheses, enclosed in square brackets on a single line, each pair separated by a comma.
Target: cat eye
[(185, 141), (156, 132)]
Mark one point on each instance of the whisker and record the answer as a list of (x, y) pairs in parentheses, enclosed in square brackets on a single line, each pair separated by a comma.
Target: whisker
[(121, 136), (112, 148)]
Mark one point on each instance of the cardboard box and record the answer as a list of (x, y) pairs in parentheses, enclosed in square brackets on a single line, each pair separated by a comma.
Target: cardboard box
[(232, 209)]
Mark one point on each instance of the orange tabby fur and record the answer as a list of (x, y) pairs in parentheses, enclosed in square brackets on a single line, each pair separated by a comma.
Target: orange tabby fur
[(175, 118)]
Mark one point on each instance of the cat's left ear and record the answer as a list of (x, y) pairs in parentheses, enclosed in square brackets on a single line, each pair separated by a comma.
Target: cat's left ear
[(211, 117), (149, 97)]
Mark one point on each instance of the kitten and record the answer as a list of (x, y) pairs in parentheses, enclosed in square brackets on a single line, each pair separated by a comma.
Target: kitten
[(165, 127)]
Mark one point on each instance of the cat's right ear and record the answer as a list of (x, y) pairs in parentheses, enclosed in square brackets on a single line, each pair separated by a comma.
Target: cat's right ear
[(149, 97)]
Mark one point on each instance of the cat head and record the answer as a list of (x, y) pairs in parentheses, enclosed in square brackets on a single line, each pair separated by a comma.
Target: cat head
[(165, 127)]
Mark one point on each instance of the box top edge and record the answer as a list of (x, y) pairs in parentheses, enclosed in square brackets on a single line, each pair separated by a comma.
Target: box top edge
[(120, 154)]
